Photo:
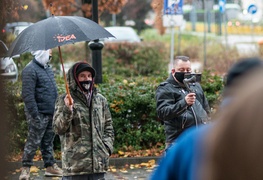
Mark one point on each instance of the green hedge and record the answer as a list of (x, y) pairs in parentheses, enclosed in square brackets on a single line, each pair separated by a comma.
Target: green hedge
[(132, 104), (131, 73), (133, 59)]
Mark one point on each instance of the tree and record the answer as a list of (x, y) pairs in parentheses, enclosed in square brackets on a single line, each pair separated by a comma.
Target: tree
[(19, 10), (157, 6), (137, 11), (8, 10), (32, 11), (69, 7), (133, 10)]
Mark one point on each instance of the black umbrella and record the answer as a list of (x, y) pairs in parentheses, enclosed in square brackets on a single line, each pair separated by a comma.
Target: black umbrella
[(56, 31)]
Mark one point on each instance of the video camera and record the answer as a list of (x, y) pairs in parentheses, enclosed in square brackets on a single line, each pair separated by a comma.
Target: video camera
[(191, 79), (198, 76)]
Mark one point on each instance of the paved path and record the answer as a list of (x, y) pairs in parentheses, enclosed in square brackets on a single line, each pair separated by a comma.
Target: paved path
[(120, 169), (130, 174)]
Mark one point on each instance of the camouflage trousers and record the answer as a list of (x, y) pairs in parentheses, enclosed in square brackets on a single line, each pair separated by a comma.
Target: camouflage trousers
[(97, 176), (42, 137)]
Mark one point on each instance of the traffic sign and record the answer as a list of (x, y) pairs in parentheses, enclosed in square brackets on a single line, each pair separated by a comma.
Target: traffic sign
[(222, 4), (173, 7), (252, 9)]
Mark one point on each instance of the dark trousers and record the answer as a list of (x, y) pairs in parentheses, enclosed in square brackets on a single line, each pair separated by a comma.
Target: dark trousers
[(39, 136), (99, 176)]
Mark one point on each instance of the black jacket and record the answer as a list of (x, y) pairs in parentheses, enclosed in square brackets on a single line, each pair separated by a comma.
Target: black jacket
[(39, 90), (174, 111)]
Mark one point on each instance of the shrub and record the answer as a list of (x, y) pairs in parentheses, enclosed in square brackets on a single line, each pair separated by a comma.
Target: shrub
[(133, 59), (131, 73), (212, 86), (133, 108), (132, 105), (16, 116)]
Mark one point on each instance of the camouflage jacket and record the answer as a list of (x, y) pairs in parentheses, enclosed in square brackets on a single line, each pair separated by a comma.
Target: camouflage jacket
[(86, 134)]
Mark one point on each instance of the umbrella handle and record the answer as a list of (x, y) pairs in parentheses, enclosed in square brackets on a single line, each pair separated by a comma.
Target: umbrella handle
[(65, 79), (68, 93)]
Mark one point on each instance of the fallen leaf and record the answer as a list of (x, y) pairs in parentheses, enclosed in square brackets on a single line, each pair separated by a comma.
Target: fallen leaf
[(34, 169), (144, 164), (120, 152), (123, 170), (113, 170), (56, 178), (137, 166)]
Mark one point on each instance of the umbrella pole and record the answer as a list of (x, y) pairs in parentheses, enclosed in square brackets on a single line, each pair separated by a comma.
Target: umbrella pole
[(64, 74)]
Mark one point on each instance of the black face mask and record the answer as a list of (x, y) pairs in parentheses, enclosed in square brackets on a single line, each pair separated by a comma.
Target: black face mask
[(86, 85), (179, 76)]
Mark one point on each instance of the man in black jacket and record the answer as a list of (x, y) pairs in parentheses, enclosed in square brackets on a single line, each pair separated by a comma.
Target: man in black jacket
[(39, 92), (178, 108)]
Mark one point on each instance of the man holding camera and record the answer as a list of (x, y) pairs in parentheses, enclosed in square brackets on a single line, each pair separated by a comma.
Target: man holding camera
[(180, 107)]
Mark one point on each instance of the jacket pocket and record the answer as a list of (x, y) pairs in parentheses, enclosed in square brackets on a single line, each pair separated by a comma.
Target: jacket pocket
[(78, 158), (102, 154)]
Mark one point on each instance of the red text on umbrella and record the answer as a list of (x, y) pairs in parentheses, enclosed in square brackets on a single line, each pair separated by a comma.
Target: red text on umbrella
[(66, 38)]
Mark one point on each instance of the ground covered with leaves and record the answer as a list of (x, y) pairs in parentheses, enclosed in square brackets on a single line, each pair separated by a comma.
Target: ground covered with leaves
[(130, 152)]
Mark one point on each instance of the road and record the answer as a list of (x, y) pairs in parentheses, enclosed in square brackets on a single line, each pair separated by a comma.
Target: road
[(245, 44)]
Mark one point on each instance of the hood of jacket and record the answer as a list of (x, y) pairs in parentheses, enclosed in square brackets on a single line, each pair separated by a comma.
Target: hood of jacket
[(72, 80), (41, 56)]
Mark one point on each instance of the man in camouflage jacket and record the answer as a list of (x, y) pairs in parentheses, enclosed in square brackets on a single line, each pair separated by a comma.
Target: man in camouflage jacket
[(84, 123)]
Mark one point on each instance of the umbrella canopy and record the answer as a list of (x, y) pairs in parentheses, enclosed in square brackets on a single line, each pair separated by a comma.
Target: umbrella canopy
[(56, 31)]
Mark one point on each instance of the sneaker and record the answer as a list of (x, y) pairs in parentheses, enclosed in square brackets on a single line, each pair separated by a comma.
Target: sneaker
[(53, 170), (25, 173)]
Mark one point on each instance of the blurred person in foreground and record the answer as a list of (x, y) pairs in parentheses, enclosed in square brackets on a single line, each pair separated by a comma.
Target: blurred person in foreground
[(178, 108), (185, 158), (234, 147), (83, 121), (39, 92)]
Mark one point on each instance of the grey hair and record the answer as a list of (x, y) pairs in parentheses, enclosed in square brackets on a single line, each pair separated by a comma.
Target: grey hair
[(182, 58)]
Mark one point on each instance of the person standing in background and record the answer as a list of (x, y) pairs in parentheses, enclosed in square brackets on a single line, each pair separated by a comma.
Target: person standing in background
[(189, 158), (178, 108), (39, 92)]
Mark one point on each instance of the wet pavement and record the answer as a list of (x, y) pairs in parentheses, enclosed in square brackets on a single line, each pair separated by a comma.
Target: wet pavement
[(120, 174), (120, 169)]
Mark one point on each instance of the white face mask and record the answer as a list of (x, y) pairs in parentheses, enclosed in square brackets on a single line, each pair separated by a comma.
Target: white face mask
[(86, 85)]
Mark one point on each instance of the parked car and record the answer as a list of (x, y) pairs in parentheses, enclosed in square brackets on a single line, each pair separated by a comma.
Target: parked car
[(16, 27), (19, 29), (122, 34), (8, 67)]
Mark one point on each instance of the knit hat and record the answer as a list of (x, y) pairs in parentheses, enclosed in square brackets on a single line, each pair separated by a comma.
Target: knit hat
[(83, 66)]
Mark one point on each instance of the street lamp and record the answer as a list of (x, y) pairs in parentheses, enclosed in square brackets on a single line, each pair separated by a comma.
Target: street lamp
[(96, 46)]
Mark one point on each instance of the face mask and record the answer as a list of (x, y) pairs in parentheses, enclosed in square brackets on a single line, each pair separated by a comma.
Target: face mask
[(86, 85), (179, 76)]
